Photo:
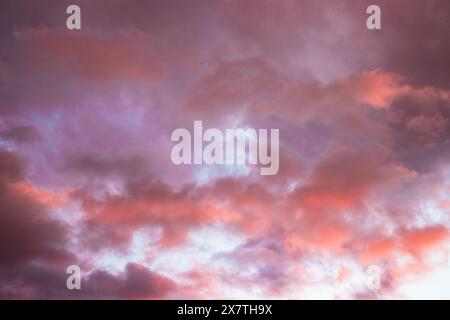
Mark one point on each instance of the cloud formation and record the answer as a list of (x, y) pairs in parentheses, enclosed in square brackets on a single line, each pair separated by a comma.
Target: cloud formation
[(85, 170)]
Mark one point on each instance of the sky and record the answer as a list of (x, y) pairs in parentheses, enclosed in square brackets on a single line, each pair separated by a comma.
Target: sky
[(86, 176)]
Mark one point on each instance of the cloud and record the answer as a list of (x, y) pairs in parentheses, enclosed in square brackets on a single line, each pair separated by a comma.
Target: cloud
[(20, 134), (43, 67), (416, 242), (114, 218), (27, 232), (89, 57), (85, 171), (136, 282)]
